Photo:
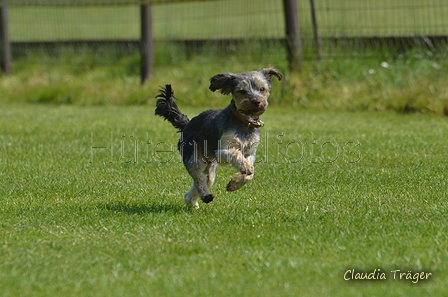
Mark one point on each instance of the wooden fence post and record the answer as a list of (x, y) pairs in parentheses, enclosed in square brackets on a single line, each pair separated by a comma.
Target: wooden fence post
[(5, 45), (315, 29), (293, 40), (146, 42)]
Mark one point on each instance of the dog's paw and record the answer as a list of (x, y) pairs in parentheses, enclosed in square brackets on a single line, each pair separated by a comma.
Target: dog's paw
[(250, 170), (192, 202), (247, 169), (208, 198), (237, 182), (231, 186)]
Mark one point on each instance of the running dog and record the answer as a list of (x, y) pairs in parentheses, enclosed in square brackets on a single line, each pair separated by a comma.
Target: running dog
[(229, 135)]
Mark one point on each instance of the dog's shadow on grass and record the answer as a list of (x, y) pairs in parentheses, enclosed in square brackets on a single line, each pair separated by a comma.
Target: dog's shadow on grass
[(137, 208)]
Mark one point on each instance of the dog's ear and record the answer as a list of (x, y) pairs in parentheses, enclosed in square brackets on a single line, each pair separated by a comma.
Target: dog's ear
[(223, 82), (270, 71)]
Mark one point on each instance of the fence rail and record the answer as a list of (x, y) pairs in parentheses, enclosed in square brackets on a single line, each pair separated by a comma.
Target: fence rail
[(73, 3)]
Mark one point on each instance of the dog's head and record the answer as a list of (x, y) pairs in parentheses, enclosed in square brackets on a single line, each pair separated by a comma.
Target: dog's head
[(250, 90)]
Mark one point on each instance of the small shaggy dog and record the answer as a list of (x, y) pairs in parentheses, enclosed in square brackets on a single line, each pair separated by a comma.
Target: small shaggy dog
[(229, 135)]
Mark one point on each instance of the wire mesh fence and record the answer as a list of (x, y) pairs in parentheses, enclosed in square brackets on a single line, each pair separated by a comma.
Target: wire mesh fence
[(341, 28), (219, 19), (382, 18), (120, 20), (353, 28)]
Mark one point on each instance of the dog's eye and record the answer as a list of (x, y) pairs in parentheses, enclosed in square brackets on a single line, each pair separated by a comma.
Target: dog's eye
[(242, 92), (262, 89)]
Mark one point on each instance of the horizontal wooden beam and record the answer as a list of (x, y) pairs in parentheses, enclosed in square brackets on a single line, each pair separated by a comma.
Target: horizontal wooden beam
[(90, 2)]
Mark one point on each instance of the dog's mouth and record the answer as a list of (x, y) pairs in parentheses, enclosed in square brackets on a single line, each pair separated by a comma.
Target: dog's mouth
[(249, 117), (253, 112)]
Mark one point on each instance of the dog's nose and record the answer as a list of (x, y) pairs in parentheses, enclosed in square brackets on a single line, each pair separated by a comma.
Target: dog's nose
[(256, 102)]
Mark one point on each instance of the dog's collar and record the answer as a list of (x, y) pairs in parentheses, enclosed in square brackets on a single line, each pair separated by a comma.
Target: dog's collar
[(255, 123)]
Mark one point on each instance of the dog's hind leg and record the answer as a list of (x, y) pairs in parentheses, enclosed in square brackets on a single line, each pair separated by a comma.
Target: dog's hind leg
[(200, 174), (211, 173), (191, 197)]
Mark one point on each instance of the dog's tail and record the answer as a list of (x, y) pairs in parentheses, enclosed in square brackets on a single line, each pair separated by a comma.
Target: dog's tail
[(167, 108)]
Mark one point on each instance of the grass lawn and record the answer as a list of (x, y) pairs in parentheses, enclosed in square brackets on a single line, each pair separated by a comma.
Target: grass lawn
[(333, 191)]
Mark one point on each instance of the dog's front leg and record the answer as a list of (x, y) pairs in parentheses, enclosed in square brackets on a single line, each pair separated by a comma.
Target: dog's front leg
[(244, 166), (235, 157)]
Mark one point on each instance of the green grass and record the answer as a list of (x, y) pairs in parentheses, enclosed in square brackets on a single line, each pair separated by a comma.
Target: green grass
[(339, 190), (414, 82)]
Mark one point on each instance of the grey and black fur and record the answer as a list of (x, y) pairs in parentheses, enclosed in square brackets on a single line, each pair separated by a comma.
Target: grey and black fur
[(227, 136)]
